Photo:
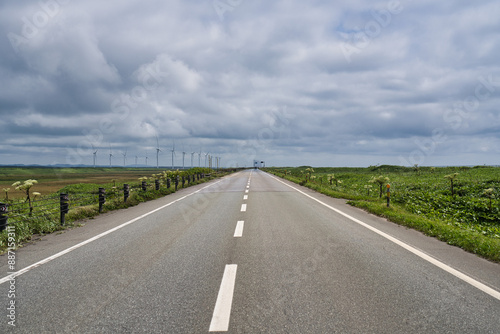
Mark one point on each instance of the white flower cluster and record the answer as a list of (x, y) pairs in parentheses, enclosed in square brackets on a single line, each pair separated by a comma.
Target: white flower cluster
[(24, 186)]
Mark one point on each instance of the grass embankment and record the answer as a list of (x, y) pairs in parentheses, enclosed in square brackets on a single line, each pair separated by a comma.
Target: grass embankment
[(83, 195), (421, 198)]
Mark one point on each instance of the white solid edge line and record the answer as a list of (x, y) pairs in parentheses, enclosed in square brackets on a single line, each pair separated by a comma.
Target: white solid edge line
[(222, 310), (483, 287), (238, 232), (243, 207), (83, 243)]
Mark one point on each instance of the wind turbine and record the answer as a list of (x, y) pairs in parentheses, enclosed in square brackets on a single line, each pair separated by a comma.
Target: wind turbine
[(199, 159), (110, 155), (157, 151), (192, 154), (124, 158), (94, 153), (146, 158), (183, 155), (206, 155), (173, 153), (136, 157)]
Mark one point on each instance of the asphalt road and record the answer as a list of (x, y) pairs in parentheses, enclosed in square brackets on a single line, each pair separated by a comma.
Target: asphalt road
[(247, 254)]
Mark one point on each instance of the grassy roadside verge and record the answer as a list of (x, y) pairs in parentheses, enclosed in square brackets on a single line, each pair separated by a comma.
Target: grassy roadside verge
[(469, 240), (25, 230)]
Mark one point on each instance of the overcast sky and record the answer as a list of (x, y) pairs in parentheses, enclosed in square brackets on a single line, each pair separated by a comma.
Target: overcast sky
[(321, 83)]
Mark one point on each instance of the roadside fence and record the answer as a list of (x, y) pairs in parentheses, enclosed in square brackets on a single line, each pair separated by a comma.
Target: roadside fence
[(56, 207)]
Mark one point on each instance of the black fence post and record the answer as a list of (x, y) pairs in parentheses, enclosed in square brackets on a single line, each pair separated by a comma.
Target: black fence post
[(176, 182), (143, 185), (168, 183), (157, 184), (126, 192), (4, 209), (64, 206), (388, 195), (183, 181), (102, 198)]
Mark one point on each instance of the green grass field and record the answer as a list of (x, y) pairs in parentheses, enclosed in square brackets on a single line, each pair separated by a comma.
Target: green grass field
[(51, 180), (420, 198)]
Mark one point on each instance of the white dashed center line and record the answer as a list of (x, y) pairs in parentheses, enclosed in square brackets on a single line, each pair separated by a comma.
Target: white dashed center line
[(222, 310), (238, 233)]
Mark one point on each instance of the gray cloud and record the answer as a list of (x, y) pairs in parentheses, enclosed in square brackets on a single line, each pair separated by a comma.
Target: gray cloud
[(289, 82)]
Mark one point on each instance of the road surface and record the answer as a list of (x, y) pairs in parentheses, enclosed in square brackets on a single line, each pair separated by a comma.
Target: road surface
[(249, 253)]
